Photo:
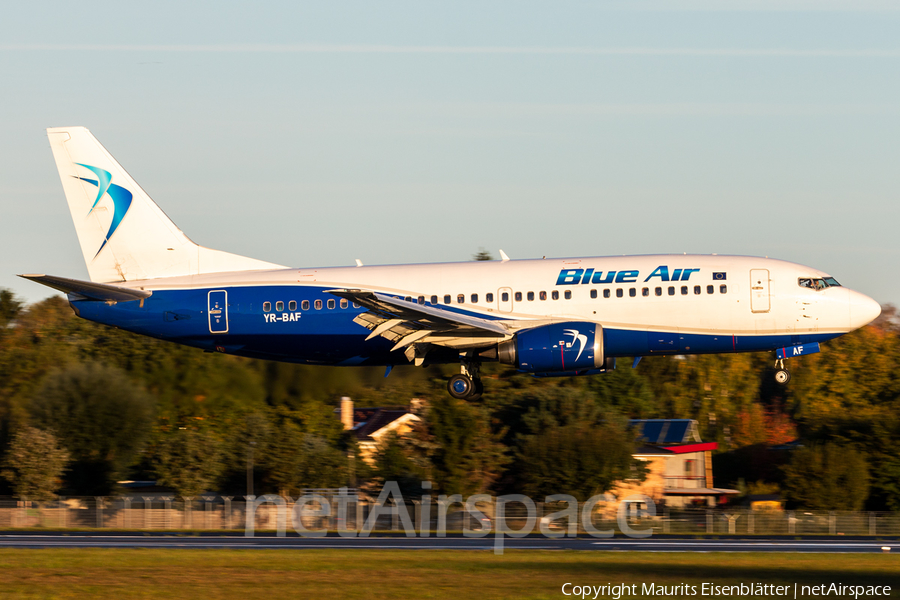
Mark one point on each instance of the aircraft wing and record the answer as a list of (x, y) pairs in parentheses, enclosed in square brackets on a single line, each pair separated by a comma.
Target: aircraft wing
[(413, 326)]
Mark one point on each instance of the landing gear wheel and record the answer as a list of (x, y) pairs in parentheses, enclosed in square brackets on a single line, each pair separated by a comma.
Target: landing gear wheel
[(460, 386), (782, 376), (477, 391)]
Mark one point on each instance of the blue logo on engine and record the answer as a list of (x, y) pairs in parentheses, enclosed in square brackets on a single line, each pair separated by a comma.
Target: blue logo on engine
[(121, 198)]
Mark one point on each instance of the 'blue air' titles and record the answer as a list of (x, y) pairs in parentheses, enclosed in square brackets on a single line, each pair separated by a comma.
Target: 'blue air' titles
[(589, 276)]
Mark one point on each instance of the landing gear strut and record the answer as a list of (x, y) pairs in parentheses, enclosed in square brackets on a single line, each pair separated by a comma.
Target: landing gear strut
[(782, 375), (467, 385)]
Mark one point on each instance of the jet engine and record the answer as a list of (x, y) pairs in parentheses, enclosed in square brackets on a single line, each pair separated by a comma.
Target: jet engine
[(571, 347)]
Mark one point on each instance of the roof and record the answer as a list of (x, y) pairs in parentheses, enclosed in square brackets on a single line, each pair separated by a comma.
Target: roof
[(666, 431), (700, 492), (367, 421)]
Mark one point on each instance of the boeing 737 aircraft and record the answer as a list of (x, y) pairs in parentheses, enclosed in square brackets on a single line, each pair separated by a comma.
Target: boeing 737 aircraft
[(553, 317)]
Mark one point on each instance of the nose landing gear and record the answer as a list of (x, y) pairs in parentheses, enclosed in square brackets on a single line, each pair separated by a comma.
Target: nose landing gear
[(467, 384), (782, 375)]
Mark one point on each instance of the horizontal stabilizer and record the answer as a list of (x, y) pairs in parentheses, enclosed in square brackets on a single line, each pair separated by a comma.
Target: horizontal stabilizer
[(90, 290)]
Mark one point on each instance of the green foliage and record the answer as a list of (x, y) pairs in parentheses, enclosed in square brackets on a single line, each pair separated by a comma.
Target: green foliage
[(467, 457), (100, 416), (827, 477), (189, 461), (9, 309), (34, 464), (581, 459)]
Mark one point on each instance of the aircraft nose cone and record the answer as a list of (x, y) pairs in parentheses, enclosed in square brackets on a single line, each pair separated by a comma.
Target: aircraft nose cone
[(863, 310)]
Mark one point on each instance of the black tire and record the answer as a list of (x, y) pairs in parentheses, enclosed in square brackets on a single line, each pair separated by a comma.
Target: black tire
[(782, 376), (460, 386), (477, 392)]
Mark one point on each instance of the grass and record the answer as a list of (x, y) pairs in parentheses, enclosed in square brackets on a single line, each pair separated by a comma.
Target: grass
[(212, 574)]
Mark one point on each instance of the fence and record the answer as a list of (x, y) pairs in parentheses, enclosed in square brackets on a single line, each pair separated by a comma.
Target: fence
[(349, 512)]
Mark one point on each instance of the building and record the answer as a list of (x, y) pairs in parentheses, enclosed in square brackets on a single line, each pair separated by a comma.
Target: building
[(371, 425), (679, 465)]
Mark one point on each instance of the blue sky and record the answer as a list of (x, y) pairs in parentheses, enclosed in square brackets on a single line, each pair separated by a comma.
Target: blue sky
[(311, 134)]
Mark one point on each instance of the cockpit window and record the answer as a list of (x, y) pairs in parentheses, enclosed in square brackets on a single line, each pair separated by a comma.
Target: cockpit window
[(818, 284)]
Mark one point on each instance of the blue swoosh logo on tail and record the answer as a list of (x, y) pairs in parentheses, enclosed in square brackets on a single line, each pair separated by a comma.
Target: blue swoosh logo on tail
[(120, 196)]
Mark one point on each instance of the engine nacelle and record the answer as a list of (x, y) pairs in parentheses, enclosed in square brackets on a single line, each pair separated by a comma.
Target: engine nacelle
[(558, 347)]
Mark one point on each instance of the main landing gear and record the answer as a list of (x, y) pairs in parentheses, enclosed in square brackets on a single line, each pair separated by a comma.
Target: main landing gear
[(782, 375), (467, 384)]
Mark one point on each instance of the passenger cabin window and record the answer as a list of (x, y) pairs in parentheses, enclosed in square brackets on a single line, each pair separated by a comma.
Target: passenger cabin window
[(504, 297), (420, 300), (619, 293), (671, 290), (645, 292), (447, 299), (530, 296), (292, 305), (568, 294), (632, 292), (330, 304), (606, 293), (279, 306), (518, 296), (710, 289), (318, 305), (460, 298), (304, 305), (489, 297), (344, 303), (542, 295), (434, 299), (554, 295), (723, 289), (474, 298), (267, 307), (593, 293), (684, 290), (696, 290), (658, 291)]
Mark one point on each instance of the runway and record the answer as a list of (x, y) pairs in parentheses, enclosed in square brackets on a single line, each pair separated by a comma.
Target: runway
[(175, 541)]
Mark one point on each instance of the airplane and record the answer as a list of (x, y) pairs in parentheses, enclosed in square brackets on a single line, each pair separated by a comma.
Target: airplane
[(545, 317)]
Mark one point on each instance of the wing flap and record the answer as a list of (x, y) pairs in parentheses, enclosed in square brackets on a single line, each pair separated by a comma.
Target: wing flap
[(410, 325)]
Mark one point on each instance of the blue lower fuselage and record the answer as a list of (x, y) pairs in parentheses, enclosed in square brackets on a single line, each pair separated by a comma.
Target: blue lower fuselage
[(329, 336)]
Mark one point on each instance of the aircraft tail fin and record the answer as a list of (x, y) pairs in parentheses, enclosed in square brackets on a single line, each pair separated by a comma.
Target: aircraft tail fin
[(124, 235)]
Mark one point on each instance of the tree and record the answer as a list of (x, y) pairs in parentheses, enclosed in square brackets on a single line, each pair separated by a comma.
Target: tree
[(9, 308), (323, 466), (468, 457), (284, 458), (394, 461), (482, 254), (99, 416), (189, 461), (582, 459), (827, 477), (34, 464)]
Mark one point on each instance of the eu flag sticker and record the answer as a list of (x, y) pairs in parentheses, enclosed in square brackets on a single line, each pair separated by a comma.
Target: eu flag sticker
[(718, 276)]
